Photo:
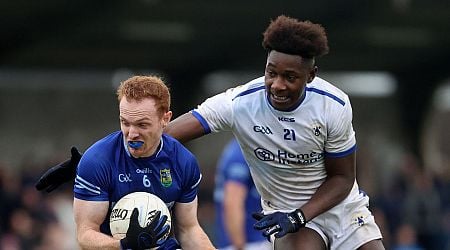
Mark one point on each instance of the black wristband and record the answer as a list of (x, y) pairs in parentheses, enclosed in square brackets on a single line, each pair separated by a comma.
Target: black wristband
[(301, 217)]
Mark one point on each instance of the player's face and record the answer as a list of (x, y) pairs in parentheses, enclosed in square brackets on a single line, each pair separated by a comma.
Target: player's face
[(286, 77), (140, 122)]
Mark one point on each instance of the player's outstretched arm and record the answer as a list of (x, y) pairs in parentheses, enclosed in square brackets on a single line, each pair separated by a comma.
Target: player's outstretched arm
[(185, 128), (59, 174)]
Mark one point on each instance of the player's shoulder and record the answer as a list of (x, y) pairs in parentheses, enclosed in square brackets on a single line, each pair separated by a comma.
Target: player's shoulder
[(172, 147), (105, 146), (254, 86), (170, 143), (327, 91), (180, 159), (99, 158)]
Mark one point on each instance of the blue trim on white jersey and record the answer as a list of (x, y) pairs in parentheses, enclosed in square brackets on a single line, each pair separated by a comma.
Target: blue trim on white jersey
[(249, 91), (341, 154), (202, 121), (322, 92)]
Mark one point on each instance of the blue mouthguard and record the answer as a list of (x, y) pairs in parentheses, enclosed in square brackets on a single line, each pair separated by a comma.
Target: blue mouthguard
[(135, 144)]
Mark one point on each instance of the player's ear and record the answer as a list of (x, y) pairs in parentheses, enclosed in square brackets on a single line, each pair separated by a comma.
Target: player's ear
[(166, 118), (312, 73)]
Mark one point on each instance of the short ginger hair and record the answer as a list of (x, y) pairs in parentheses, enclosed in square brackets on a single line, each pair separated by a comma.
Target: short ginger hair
[(291, 36), (140, 87)]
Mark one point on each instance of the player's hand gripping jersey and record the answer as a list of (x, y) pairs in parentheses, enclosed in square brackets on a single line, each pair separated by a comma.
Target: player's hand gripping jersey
[(284, 149)]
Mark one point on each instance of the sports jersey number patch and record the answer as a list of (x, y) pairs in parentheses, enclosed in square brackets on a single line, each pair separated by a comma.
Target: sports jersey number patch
[(289, 134), (145, 181)]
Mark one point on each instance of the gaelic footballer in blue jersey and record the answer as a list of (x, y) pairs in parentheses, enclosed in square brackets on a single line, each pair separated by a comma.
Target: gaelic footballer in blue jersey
[(138, 158)]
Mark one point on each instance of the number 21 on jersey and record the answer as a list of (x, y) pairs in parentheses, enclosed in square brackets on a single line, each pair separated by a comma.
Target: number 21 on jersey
[(289, 134)]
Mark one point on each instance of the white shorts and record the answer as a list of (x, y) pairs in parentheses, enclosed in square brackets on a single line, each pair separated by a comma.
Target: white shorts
[(348, 225)]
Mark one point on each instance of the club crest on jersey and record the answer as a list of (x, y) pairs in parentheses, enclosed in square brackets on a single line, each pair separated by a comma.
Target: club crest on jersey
[(166, 177), (317, 130), (358, 219)]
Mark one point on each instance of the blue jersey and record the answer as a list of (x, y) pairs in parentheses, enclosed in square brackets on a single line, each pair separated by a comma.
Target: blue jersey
[(232, 167), (107, 172)]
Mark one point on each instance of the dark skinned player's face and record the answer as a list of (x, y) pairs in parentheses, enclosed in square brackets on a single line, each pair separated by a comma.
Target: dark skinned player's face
[(286, 77)]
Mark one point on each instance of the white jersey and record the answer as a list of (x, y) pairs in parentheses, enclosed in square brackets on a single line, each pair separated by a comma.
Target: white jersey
[(284, 149)]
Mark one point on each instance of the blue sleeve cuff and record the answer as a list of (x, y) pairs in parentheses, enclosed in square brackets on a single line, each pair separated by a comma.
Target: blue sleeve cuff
[(202, 121), (341, 154)]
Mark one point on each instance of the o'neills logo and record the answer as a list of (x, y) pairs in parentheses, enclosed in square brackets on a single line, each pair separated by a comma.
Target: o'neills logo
[(119, 213), (144, 171)]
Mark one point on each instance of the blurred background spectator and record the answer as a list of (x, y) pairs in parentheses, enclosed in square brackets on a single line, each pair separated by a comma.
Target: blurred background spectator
[(405, 239), (236, 199), (59, 63)]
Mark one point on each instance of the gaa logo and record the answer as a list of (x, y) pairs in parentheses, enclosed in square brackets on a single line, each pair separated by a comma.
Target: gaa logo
[(263, 130), (125, 178)]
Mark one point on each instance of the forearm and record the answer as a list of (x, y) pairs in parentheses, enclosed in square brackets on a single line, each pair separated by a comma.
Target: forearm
[(334, 190), (194, 238), (185, 128), (234, 224), (92, 240), (236, 232)]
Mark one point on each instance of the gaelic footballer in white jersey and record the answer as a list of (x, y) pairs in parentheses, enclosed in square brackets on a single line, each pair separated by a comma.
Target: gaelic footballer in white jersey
[(285, 149)]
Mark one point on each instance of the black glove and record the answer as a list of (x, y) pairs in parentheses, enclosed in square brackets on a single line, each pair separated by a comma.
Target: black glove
[(170, 244), (138, 237), (279, 223), (59, 174)]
